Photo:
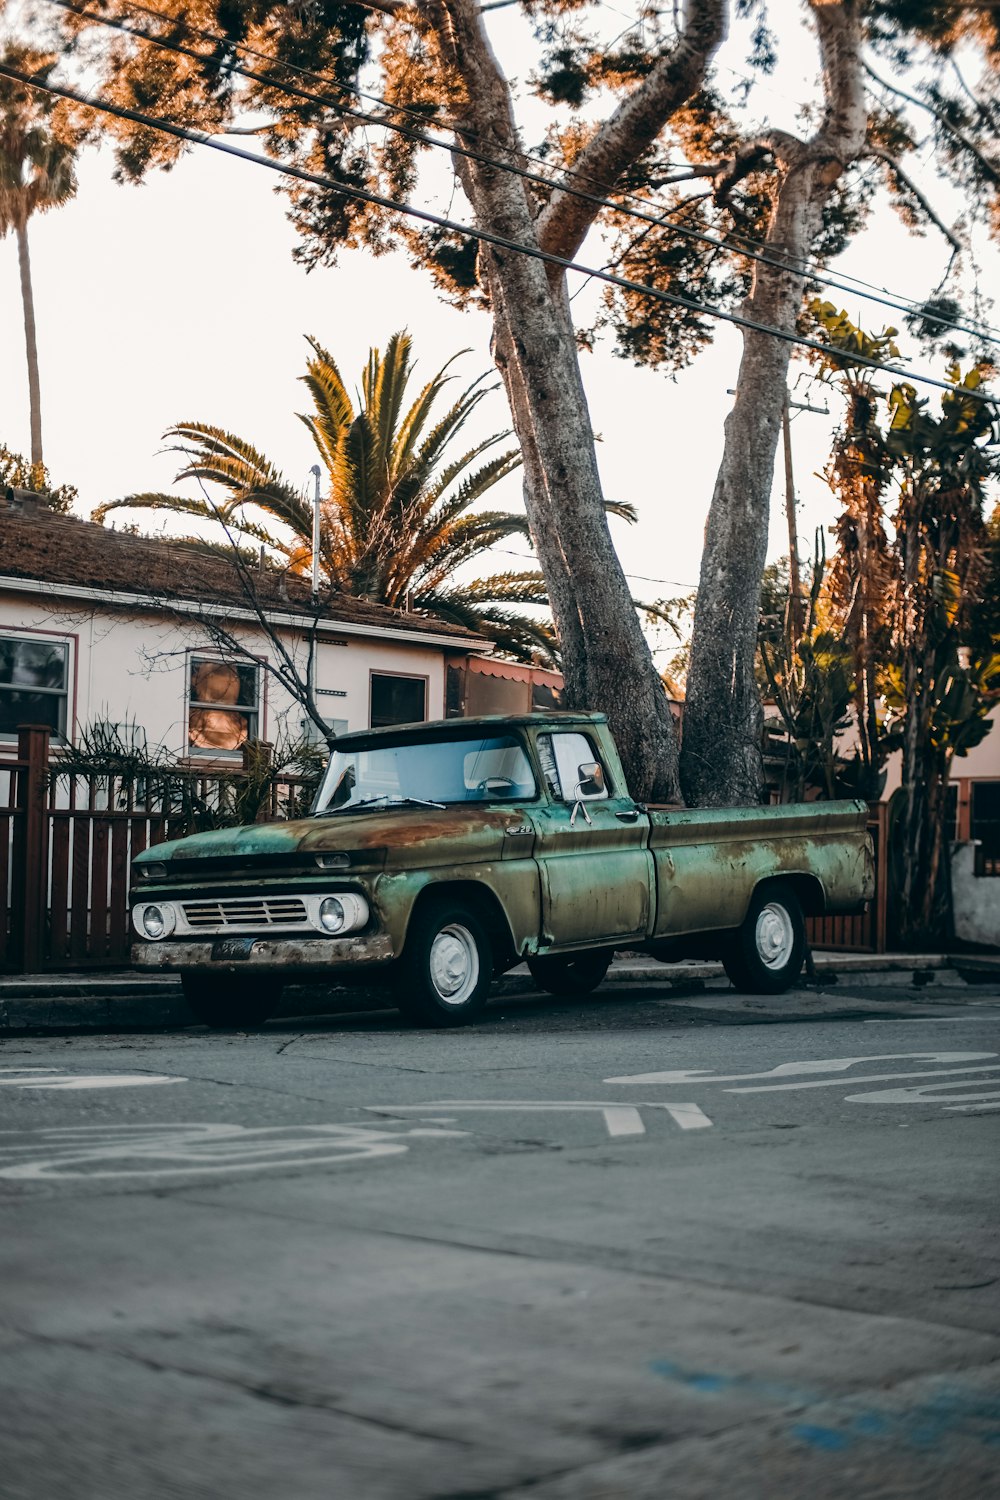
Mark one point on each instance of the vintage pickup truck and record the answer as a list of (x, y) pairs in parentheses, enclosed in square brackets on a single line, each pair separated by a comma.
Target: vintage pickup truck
[(439, 855)]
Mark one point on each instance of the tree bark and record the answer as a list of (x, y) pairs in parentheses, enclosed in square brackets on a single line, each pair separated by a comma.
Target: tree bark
[(721, 751), (30, 346), (606, 658)]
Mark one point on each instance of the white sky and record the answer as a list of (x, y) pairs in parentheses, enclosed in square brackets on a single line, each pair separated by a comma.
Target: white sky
[(179, 300)]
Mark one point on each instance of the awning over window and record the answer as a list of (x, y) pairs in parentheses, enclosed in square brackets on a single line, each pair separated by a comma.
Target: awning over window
[(488, 666)]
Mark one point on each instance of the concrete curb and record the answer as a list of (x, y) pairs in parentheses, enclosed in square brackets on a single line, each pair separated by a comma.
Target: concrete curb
[(103, 1002)]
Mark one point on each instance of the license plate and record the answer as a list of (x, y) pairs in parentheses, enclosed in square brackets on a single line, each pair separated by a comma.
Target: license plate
[(228, 950)]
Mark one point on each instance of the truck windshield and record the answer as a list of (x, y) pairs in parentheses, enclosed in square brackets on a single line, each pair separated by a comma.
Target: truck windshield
[(489, 769)]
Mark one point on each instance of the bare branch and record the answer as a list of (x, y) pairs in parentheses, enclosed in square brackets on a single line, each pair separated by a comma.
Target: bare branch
[(750, 156), (989, 167), (287, 673), (690, 175), (909, 186)]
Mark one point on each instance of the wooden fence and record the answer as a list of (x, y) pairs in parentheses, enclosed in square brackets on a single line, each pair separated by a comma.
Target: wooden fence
[(67, 840)]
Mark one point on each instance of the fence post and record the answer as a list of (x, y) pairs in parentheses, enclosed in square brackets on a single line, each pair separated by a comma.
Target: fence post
[(31, 854)]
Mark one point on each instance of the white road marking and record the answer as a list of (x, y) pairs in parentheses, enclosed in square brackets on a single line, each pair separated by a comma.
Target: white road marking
[(930, 1093), (62, 1080), (619, 1119), (792, 1069), (828, 1083), (190, 1149)]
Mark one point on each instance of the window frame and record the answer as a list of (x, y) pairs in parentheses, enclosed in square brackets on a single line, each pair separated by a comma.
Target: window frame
[(568, 799), (423, 677), (67, 714), (254, 714)]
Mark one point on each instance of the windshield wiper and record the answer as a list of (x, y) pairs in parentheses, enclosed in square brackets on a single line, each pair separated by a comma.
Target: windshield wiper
[(383, 798)]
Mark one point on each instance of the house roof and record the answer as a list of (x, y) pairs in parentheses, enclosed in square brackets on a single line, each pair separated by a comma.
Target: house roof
[(39, 544)]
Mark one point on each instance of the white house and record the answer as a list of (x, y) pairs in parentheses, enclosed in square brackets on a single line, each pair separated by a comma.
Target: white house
[(103, 626)]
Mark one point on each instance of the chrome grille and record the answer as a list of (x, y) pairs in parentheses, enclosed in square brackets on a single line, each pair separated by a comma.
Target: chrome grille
[(245, 912)]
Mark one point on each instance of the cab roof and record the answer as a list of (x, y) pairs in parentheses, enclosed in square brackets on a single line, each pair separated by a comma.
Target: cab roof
[(461, 728)]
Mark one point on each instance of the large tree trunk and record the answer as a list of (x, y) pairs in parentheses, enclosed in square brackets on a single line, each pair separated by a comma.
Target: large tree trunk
[(606, 659), (720, 754), (30, 345)]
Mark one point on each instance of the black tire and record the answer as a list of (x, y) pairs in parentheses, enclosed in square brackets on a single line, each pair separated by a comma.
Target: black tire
[(444, 975), (765, 955), (230, 1001), (570, 973)]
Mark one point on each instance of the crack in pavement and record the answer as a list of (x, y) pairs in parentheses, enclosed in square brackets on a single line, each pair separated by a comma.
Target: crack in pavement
[(258, 1391)]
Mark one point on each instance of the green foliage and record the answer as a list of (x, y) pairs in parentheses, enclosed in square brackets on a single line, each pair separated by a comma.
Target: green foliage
[(934, 617), (116, 766), (810, 679), (20, 474)]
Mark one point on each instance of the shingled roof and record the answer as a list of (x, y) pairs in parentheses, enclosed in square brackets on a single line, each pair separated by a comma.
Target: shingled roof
[(40, 544)]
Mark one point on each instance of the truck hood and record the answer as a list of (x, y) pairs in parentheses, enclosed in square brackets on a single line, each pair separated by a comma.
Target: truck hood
[(411, 835)]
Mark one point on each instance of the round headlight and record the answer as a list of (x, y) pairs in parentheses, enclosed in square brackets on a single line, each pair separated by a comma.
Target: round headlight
[(347, 912), (331, 914), (154, 921)]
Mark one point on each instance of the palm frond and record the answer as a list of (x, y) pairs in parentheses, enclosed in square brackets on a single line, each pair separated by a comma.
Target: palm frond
[(519, 636), (623, 509), (151, 501)]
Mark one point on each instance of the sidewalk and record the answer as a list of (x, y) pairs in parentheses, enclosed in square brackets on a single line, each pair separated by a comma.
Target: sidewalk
[(127, 1001)]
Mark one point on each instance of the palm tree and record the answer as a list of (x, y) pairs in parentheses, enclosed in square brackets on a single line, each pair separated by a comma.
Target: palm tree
[(37, 172), (397, 518)]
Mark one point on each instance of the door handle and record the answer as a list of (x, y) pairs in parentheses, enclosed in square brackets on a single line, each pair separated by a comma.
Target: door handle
[(628, 816)]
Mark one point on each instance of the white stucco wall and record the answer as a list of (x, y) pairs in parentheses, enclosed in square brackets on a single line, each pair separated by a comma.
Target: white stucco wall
[(976, 899), (129, 666)]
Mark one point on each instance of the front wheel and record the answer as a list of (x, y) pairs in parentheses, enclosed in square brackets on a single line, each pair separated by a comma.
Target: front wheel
[(224, 1000), (765, 955), (570, 973), (445, 972)]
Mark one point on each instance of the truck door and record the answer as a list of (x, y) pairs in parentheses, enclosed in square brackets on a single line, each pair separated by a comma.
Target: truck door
[(590, 846)]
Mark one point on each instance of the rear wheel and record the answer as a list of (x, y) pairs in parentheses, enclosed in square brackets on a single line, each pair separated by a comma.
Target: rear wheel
[(444, 975), (227, 1000), (570, 973), (765, 955)]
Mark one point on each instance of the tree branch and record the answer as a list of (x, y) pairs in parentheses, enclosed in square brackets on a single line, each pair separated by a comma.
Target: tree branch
[(990, 168), (565, 220), (906, 182)]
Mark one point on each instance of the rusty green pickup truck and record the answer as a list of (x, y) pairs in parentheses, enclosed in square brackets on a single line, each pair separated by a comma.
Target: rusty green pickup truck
[(437, 856)]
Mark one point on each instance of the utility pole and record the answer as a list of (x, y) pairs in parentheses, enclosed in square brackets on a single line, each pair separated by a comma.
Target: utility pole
[(315, 472), (795, 606), (311, 661)]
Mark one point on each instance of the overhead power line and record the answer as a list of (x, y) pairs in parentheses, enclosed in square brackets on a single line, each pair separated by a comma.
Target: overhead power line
[(484, 236), (736, 244)]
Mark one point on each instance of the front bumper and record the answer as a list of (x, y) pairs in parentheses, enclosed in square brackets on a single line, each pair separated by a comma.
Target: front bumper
[(305, 955)]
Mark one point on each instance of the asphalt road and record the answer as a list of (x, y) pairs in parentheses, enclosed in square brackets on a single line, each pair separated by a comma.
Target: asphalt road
[(641, 1246)]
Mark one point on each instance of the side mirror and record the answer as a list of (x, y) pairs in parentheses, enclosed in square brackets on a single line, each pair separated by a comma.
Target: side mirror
[(591, 783)]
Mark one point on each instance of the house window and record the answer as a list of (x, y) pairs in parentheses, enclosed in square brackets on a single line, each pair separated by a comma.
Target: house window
[(222, 704), (984, 823), (34, 677), (398, 700)]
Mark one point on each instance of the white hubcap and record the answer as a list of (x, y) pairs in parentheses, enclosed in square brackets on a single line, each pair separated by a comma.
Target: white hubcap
[(775, 936), (454, 964)]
